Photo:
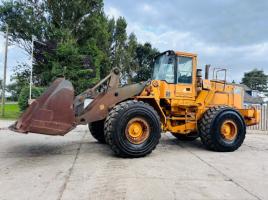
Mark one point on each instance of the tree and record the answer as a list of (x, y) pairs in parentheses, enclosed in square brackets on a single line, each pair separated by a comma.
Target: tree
[(145, 55), (13, 89), (25, 18), (24, 96), (118, 37), (122, 48), (19, 79), (79, 42), (131, 65), (80, 35), (256, 80)]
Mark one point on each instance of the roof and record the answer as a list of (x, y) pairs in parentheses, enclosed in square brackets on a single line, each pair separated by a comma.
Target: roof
[(248, 99), (245, 87), (180, 53), (252, 100)]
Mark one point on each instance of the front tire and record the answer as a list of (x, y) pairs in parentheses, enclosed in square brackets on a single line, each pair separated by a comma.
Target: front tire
[(97, 130), (222, 129), (132, 129)]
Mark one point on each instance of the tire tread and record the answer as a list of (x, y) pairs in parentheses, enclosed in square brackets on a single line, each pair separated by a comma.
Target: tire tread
[(110, 124), (205, 125)]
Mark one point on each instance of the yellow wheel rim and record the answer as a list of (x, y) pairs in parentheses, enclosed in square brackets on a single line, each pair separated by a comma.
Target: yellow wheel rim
[(137, 130), (229, 130)]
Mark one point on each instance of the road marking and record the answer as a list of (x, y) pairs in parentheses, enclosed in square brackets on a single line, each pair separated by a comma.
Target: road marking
[(70, 171)]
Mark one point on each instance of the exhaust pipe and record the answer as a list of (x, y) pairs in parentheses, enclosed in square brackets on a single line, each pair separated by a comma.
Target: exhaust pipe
[(207, 72)]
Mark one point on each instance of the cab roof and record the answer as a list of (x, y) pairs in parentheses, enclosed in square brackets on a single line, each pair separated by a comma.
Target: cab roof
[(180, 53)]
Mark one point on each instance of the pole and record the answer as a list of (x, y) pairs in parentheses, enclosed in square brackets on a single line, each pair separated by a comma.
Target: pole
[(5, 74), (31, 75)]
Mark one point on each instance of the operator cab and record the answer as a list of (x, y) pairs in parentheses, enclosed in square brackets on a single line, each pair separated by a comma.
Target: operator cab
[(176, 68)]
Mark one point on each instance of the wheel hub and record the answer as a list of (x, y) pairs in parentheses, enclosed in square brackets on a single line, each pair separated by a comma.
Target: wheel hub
[(137, 130), (229, 130)]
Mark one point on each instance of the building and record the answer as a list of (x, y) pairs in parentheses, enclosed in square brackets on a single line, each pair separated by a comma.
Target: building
[(251, 97)]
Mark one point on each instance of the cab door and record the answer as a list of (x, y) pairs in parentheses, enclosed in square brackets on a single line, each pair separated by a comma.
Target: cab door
[(185, 76)]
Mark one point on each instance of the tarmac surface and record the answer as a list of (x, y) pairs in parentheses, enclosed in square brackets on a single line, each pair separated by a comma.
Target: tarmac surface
[(77, 167)]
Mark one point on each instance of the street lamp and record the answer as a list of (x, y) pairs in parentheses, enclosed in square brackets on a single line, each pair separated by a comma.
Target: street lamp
[(31, 70), (5, 73)]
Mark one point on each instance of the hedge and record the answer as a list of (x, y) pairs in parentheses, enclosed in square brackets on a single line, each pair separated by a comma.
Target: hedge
[(24, 96)]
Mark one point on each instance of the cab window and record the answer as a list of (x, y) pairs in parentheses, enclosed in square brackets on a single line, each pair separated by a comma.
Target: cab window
[(185, 70), (164, 68)]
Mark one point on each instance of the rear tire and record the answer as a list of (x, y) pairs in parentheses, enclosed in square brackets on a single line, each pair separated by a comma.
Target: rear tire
[(132, 129), (97, 130), (213, 132), (187, 137)]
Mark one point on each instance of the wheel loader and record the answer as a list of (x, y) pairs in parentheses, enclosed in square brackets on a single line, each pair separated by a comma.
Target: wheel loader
[(131, 118)]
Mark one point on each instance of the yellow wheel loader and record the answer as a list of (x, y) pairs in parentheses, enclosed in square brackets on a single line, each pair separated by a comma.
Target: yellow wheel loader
[(131, 118)]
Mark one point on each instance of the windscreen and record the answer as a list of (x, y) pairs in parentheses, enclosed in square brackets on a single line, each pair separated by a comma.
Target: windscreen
[(164, 68)]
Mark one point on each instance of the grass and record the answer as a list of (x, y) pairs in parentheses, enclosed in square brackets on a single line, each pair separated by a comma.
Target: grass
[(12, 111)]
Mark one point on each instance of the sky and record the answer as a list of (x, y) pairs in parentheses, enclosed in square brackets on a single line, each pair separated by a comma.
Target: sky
[(15, 56), (232, 34)]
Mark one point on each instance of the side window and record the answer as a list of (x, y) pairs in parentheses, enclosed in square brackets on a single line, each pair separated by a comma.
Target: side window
[(185, 69)]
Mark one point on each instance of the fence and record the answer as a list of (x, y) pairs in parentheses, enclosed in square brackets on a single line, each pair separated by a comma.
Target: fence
[(263, 125)]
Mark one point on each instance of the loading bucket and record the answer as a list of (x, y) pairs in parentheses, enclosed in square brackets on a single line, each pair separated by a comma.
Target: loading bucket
[(52, 113)]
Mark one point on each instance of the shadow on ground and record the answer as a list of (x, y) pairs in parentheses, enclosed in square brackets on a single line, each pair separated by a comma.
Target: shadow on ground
[(47, 149), (89, 147)]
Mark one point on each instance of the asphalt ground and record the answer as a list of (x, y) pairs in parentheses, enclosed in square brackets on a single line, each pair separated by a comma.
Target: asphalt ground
[(77, 167)]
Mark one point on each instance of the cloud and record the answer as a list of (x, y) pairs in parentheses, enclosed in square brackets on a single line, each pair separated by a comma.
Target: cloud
[(225, 33), (112, 12), (226, 22), (147, 8), (235, 59)]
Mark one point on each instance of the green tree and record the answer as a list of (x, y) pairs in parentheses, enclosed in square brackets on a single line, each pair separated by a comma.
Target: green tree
[(25, 18), (111, 47), (131, 64), (122, 48), (145, 55), (24, 96), (118, 42), (76, 27), (13, 89), (71, 62), (256, 80), (79, 42)]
